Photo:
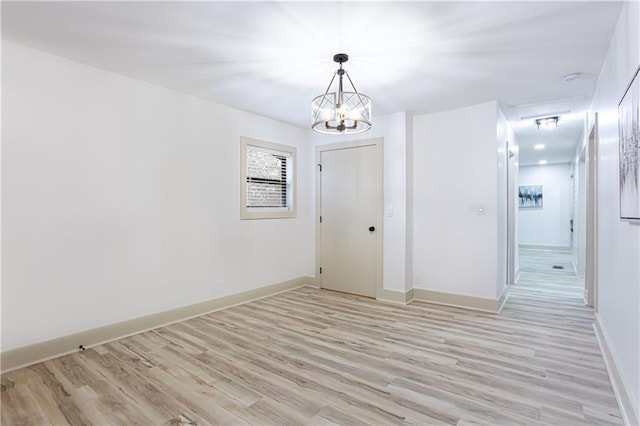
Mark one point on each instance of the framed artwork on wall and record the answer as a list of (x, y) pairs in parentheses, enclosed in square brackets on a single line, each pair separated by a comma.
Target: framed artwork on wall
[(629, 145), (530, 196)]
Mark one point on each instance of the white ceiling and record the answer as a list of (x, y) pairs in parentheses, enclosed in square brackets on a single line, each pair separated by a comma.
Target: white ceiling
[(559, 143), (272, 58)]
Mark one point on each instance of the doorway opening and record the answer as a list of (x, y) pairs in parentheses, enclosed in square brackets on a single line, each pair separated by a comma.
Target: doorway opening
[(556, 217)]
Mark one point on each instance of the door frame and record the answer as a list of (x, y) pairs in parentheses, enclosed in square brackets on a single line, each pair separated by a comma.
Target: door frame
[(591, 264), (379, 144), (580, 223), (512, 217)]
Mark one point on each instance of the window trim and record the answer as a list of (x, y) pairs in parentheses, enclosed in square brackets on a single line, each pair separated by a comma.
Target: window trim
[(266, 212)]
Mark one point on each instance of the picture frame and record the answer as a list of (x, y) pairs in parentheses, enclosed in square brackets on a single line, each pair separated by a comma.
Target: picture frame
[(629, 150), (530, 196)]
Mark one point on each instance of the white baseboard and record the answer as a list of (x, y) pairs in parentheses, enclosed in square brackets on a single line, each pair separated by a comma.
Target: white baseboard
[(503, 298), (493, 306), (393, 296), (543, 247), (516, 275), (628, 408), (43, 351)]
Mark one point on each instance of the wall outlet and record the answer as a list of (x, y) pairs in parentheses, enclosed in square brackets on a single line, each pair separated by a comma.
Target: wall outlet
[(417, 279)]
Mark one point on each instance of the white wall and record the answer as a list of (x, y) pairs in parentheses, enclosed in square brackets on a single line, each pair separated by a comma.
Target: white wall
[(575, 181), (516, 179), (618, 241), (121, 199), (454, 174), (409, 266), (575, 199), (549, 225), (579, 181), (393, 129)]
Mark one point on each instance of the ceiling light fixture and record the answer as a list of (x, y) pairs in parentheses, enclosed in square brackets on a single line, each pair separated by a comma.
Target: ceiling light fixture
[(341, 112), (542, 162), (538, 146), (547, 122)]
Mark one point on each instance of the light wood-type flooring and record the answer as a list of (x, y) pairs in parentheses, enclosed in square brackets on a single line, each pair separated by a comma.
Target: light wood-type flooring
[(537, 273), (317, 357)]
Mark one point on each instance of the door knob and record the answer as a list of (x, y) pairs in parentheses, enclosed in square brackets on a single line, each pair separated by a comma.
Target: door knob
[(372, 228)]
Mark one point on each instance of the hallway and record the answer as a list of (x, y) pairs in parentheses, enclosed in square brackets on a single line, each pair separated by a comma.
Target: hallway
[(539, 278), (550, 302)]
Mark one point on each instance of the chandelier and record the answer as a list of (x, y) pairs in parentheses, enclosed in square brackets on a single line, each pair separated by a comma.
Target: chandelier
[(341, 112)]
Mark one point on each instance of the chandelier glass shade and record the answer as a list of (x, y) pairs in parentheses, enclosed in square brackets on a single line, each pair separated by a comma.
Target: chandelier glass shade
[(341, 112)]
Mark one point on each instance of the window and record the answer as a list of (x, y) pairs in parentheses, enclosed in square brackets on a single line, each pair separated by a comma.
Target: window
[(268, 180)]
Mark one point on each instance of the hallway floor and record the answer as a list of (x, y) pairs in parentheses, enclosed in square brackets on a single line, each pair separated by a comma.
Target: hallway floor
[(538, 275)]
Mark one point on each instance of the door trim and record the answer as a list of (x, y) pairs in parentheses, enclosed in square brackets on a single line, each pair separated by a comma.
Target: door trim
[(591, 264), (379, 144), (581, 216), (512, 217)]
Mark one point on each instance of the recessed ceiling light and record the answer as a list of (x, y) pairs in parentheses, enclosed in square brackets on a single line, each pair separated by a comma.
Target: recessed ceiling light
[(542, 162), (538, 146)]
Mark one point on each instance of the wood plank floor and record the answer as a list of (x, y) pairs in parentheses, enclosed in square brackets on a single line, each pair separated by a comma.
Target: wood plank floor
[(317, 357), (537, 273)]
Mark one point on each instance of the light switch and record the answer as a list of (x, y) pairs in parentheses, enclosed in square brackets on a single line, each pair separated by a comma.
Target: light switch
[(390, 211)]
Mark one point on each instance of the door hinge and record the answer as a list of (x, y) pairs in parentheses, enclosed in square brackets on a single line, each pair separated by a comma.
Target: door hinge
[(320, 165), (320, 270), (320, 219)]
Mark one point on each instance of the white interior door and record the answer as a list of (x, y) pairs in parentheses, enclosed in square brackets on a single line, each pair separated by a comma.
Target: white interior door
[(350, 210)]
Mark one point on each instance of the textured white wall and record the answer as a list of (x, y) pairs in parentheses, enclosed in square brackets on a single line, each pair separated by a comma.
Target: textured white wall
[(549, 225), (121, 199), (618, 241), (455, 163)]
